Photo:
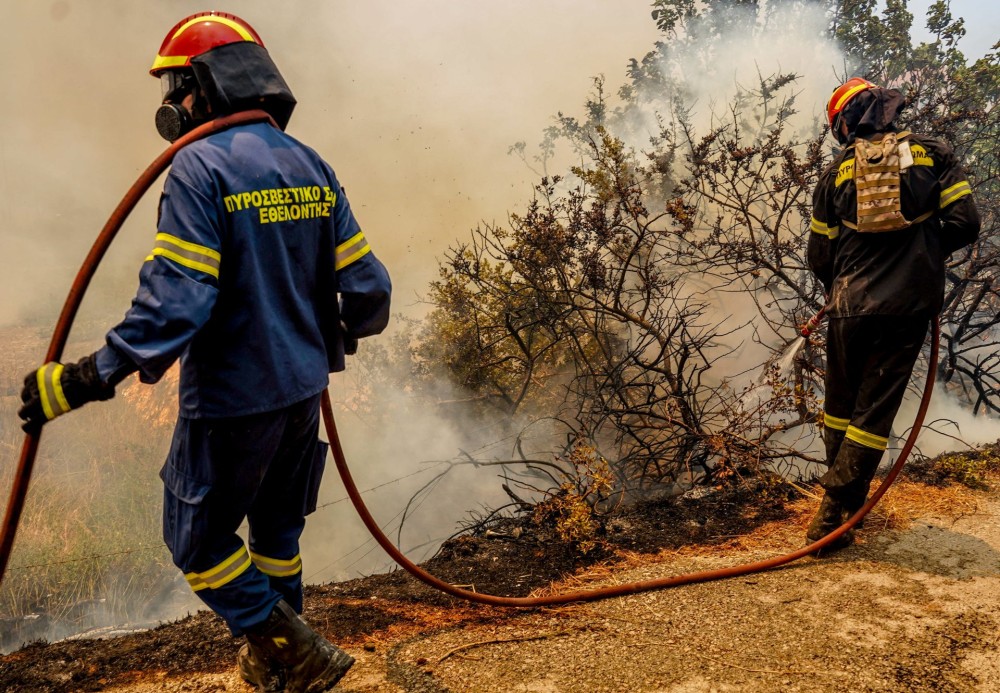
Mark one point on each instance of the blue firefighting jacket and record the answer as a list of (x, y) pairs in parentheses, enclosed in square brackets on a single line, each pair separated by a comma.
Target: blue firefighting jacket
[(255, 243)]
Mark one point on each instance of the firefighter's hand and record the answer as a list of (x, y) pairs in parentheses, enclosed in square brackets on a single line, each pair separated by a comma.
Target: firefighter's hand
[(350, 343), (55, 389)]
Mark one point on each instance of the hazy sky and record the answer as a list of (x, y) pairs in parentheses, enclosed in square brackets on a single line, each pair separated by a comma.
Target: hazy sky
[(414, 104), (982, 23)]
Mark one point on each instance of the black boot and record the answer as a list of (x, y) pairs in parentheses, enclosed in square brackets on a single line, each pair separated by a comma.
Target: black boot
[(829, 517), (260, 671), (853, 502), (311, 663), (850, 477)]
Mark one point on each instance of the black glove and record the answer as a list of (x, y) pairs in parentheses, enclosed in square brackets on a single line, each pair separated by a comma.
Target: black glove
[(55, 389), (350, 343)]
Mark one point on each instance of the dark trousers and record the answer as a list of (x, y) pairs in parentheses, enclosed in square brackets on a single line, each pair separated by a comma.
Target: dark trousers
[(869, 363), (265, 468)]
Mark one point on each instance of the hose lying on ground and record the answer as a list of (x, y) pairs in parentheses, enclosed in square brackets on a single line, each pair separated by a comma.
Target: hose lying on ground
[(632, 587)]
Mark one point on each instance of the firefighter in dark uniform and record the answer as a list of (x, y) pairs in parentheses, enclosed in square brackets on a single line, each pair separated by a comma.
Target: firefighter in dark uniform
[(259, 280), (887, 213)]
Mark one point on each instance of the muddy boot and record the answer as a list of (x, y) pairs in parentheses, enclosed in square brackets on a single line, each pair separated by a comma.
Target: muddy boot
[(829, 517), (850, 477), (258, 670), (853, 502), (311, 663)]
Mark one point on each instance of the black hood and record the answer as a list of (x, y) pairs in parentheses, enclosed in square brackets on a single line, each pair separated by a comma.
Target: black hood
[(872, 111), (241, 76)]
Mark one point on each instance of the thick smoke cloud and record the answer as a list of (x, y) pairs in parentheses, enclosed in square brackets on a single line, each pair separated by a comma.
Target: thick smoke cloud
[(414, 104)]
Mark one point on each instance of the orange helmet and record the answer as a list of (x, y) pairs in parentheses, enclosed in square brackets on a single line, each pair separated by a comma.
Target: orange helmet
[(197, 34), (842, 96)]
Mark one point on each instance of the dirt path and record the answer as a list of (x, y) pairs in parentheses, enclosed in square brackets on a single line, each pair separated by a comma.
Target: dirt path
[(916, 609)]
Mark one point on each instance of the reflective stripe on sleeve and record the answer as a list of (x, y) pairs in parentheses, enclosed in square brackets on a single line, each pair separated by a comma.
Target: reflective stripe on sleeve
[(835, 423), (822, 229), (869, 440), (192, 255), (216, 577), (277, 567), (351, 250), (949, 195), (50, 390)]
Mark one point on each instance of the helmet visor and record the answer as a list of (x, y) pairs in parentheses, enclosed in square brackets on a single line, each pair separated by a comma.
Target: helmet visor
[(175, 84)]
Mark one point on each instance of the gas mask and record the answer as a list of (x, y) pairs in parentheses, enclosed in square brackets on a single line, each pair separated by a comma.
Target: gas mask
[(173, 119)]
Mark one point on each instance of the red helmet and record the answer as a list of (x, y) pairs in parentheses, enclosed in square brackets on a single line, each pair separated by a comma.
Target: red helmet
[(842, 96), (197, 34)]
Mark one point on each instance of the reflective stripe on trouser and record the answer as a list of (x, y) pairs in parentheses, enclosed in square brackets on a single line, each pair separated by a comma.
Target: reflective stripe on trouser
[(869, 362), (264, 468)]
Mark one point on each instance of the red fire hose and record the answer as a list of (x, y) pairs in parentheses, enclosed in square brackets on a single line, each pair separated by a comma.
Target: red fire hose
[(632, 587), (75, 297)]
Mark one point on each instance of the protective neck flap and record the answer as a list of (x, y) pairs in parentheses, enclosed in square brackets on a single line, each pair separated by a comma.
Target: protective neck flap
[(872, 111), (242, 76)]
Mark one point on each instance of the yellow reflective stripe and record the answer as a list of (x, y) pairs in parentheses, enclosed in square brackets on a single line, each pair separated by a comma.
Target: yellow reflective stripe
[(844, 173), (165, 62), (869, 440), (847, 95), (209, 253), (277, 567), (221, 574), (919, 154), (351, 250), (835, 423), (822, 229), (49, 378), (956, 191), (198, 257), (244, 34)]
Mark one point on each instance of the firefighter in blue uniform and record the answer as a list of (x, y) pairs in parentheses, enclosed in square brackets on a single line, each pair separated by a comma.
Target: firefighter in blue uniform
[(887, 213), (260, 280)]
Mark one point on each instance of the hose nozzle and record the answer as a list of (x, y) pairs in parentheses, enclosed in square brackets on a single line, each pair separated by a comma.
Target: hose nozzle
[(813, 323)]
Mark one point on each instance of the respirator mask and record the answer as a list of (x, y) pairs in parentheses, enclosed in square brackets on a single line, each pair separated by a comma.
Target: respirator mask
[(172, 118)]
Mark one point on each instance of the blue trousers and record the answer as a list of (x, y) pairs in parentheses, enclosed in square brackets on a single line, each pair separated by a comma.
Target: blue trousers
[(265, 468)]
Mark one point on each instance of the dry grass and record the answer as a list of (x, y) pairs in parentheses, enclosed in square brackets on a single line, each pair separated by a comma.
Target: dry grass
[(88, 544), (415, 618)]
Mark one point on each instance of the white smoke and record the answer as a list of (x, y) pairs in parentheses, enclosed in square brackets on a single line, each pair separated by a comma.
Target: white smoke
[(950, 424)]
